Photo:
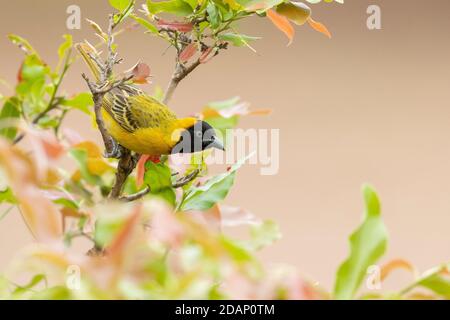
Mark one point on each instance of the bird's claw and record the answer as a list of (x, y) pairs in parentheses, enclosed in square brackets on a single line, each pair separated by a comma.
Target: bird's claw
[(115, 153)]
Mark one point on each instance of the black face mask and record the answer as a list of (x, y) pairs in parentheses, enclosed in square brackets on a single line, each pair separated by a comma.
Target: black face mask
[(200, 136)]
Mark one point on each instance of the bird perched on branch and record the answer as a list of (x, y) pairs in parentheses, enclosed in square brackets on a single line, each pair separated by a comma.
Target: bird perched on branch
[(144, 125)]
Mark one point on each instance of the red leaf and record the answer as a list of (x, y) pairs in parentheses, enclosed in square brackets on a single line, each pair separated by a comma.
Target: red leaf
[(141, 169), (206, 55), (140, 72), (188, 52), (19, 74), (175, 25), (282, 23), (319, 27)]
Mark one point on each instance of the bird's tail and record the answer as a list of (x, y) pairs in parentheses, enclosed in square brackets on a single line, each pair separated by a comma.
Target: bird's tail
[(86, 49)]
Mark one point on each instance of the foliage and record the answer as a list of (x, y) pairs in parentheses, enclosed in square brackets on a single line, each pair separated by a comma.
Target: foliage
[(168, 244)]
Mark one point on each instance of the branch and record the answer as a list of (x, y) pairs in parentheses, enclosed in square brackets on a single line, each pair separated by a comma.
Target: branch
[(126, 165), (179, 74), (178, 184), (127, 161)]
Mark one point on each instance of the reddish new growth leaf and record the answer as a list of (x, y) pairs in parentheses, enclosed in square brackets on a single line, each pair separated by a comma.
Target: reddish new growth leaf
[(141, 73), (282, 23), (19, 74), (175, 25), (140, 167), (207, 55), (188, 52)]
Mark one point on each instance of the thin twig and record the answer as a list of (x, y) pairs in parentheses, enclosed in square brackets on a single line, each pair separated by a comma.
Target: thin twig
[(178, 184), (179, 74), (135, 196)]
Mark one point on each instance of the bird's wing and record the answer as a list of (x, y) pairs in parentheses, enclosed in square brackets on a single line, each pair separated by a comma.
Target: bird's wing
[(133, 109)]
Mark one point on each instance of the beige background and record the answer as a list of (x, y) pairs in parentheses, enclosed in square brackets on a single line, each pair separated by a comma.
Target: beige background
[(366, 106)]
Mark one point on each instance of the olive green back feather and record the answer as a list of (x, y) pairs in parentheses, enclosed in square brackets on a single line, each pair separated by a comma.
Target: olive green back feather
[(133, 109)]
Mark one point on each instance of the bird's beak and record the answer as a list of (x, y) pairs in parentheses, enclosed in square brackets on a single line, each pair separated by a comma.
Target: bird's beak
[(217, 144)]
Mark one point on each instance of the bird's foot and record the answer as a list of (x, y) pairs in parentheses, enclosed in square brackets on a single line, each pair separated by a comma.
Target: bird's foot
[(115, 153)]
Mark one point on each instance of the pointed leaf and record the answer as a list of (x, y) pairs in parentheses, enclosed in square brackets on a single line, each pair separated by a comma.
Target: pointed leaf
[(283, 24), (367, 245)]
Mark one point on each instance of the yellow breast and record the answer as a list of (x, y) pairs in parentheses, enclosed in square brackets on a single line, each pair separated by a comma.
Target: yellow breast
[(151, 141)]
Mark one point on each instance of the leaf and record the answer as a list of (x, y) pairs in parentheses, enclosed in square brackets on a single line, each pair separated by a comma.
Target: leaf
[(188, 52), (319, 27), (213, 15), (33, 282), (213, 191), (146, 24), (23, 44), (82, 101), (176, 7), (235, 216), (207, 54), (237, 40), (64, 49), (395, 264), (175, 25), (98, 30), (7, 196), (157, 176), (259, 6), (120, 5), (10, 111), (437, 283), (264, 234), (140, 169), (367, 245), (297, 12), (81, 156), (283, 24), (141, 73)]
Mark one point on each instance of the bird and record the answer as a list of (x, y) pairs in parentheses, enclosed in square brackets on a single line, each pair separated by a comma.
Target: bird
[(142, 124)]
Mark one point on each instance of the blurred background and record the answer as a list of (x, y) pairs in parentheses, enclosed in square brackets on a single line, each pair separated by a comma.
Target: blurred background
[(365, 106)]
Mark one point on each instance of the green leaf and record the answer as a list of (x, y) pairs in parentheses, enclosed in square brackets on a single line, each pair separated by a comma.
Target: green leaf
[(10, 111), (33, 282), (23, 44), (438, 284), (159, 178), (120, 5), (146, 24), (237, 40), (82, 102), (259, 6), (213, 191), (81, 156), (67, 203), (176, 7), (264, 234), (64, 50), (47, 122), (4, 288), (367, 244), (54, 293), (213, 15), (108, 226), (237, 252)]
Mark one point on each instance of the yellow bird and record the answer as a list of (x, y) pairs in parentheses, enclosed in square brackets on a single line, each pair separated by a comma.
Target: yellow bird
[(144, 125)]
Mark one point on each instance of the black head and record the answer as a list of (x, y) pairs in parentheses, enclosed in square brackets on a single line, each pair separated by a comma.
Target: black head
[(200, 136)]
